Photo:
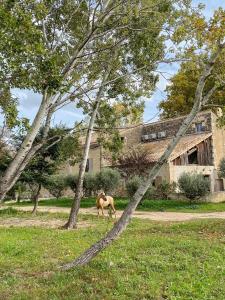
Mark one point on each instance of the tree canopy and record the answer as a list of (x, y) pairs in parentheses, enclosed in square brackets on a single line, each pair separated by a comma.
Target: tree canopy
[(181, 91)]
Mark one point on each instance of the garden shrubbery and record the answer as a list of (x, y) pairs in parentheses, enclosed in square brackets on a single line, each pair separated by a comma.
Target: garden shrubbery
[(106, 180), (162, 191), (56, 184), (194, 186)]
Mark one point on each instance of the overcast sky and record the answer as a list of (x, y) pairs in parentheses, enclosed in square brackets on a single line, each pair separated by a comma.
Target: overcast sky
[(29, 101)]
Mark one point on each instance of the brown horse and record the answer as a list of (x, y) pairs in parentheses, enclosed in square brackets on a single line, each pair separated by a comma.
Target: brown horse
[(104, 201)]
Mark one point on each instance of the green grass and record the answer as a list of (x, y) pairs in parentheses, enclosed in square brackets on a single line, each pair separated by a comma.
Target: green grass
[(175, 261), (147, 205)]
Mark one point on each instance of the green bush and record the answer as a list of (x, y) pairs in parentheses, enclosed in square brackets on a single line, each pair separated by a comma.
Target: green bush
[(194, 186), (71, 182), (132, 185), (164, 190), (90, 184), (107, 180), (56, 184)]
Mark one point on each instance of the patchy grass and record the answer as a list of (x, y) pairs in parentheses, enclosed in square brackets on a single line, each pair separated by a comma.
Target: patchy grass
[(147, 205), (176, 261)]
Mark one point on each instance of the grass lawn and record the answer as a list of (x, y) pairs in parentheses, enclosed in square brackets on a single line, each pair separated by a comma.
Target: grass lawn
[(176, 261), (147, 205)]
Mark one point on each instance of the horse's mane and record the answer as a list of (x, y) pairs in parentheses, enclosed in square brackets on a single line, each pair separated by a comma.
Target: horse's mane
[(103, 196)]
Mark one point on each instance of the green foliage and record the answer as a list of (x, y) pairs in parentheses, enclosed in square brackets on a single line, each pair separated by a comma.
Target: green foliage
[(67, 148), (222, 168), (194, 186), (181, 93), (5, 157), (107, 179), (90, 184), (55, 184), (162, 191), (71, 182), (165, 189), (133, 184)]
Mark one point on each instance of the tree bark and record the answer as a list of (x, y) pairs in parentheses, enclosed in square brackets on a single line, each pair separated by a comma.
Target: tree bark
[(33, 150), (8, 179), (34, 211), (72, 221), (121, 225)]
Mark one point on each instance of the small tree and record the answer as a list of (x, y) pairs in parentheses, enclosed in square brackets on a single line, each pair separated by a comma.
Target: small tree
[(107, 180), (71, 182), (165, 189), (90, 184), (132, 185), (134, 161), (194, 186), (55, 185), (222, 168)]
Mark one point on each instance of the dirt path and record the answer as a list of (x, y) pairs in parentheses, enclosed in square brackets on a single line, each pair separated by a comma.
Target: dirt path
[(155, 216)]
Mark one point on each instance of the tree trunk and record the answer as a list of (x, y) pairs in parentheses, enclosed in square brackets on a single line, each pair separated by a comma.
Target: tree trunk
[(8, 179), (33, 150), (72, 221), (36, 196), (121, 225)]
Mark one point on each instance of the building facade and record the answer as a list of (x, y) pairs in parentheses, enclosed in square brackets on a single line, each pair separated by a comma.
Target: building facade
[(199, 151)]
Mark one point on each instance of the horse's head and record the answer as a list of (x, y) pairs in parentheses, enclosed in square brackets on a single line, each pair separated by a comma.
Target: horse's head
[(102, 195)]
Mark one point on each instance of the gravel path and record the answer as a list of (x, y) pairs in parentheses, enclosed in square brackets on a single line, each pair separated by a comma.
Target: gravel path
[(155, 216)]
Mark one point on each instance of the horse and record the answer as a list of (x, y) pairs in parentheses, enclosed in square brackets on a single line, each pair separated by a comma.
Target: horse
[(105, 201)]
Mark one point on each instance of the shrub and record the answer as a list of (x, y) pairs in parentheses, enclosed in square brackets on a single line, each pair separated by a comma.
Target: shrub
[(132, 185), (107, 180), (71, 182), (194, 186), (164, 190), (55, 185), (90, 184), (222, 168)]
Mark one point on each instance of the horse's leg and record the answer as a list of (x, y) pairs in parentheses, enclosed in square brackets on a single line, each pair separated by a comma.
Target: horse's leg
[(113, 208), (110, 211), (103, 211)]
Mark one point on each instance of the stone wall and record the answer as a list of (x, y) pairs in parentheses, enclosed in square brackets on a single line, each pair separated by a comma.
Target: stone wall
[(170, 127)]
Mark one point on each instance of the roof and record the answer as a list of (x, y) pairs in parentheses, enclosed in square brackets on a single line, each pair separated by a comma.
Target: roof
[(157, 148)]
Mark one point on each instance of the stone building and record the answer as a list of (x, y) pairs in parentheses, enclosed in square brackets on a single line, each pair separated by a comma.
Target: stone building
[(200, 150)]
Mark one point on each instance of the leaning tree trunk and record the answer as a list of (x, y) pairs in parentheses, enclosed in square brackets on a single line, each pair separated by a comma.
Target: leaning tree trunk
[(121, 225), (35, 199), (72, 221), (8, 178)]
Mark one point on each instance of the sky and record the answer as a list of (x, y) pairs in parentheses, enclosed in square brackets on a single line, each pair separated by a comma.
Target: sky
[(29, 101)]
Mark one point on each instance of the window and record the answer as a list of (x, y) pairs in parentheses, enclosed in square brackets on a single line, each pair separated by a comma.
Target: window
[(199, 127), (161, 134), (89, 165), (193, 158)]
